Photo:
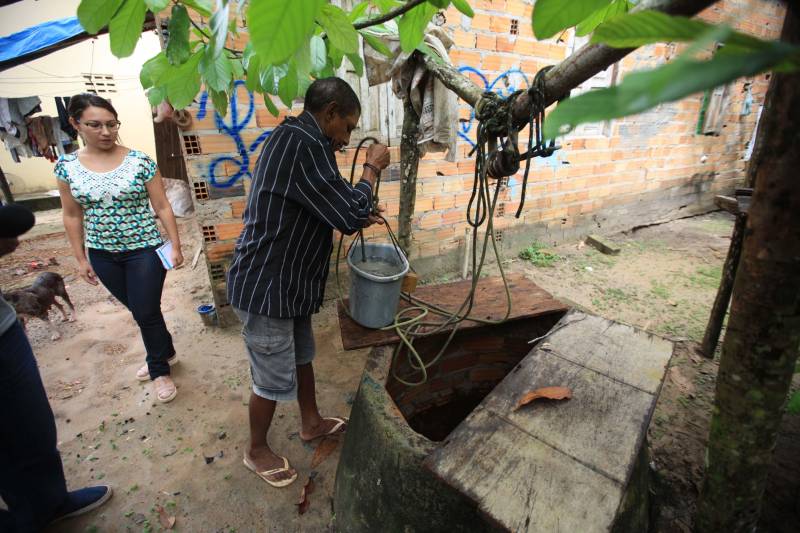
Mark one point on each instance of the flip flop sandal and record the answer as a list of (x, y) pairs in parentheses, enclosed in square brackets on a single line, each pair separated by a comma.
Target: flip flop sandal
[(265, 475), (337, 428), (143, 374), (162, 388)]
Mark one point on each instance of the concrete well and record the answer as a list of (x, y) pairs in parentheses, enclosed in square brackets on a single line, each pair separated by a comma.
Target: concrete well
[(381, 484)]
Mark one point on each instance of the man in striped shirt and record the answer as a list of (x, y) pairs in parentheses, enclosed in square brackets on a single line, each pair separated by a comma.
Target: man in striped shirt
[(280, 264)]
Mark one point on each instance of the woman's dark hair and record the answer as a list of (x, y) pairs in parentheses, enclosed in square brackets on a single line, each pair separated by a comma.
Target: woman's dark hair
[(79, 103)]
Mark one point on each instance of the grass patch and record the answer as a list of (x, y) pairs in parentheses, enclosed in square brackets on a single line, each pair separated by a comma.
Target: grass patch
[(659, 289), (538, 256), (703, 277)]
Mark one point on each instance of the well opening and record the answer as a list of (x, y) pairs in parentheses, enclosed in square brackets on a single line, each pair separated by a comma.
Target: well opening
[(474, 363)]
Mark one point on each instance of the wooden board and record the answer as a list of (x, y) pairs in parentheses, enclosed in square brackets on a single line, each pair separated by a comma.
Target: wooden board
[(560, 466), (528, 300)]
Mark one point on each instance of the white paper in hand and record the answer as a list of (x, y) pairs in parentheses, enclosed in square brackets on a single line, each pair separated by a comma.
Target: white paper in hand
[(164, 253)]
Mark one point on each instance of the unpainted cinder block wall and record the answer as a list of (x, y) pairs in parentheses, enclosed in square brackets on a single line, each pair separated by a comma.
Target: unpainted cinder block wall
[(607, 177)]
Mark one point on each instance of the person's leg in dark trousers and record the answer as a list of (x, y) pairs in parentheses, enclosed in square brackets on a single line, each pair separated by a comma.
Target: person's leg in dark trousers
[(31, 474), (136, 279)]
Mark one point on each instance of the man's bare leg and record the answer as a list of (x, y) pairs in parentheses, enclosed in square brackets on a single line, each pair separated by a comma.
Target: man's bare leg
[(312, 423), (263, 458)]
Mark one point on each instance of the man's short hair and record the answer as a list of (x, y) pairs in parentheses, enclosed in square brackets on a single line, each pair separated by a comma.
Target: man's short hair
[(326, 90)]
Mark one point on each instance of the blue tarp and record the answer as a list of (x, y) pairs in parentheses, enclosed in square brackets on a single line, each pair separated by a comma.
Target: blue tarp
[(38, 37)]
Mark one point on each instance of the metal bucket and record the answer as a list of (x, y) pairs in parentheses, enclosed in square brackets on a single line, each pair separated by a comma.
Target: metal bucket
[(374, 298), (208, 314)]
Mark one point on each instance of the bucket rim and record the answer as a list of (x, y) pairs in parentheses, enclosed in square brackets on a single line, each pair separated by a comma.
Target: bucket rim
[(373, 277), (205, 309)]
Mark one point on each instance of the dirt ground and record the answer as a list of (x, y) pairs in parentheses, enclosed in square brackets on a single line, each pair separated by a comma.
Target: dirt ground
[(186, 455)]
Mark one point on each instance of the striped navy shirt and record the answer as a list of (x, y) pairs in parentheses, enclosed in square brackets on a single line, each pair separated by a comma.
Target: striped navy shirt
[(281, 260)]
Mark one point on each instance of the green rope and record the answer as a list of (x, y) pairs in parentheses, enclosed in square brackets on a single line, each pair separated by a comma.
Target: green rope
[(493, 114)]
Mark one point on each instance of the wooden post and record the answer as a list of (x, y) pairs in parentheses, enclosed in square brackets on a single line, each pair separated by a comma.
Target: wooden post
[(409, 164), (760, 349), (720, 307), (5, 188)]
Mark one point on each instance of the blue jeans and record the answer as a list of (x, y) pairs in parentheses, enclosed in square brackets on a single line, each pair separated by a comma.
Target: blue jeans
[(136, 279), (31, 475)]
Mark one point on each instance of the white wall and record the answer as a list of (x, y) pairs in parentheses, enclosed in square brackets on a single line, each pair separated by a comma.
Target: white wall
[(59, 74)]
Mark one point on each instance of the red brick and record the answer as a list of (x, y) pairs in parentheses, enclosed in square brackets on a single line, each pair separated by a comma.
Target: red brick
[(461, 362)]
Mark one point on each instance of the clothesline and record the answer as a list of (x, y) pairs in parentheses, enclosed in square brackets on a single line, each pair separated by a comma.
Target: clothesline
[(26, 133)]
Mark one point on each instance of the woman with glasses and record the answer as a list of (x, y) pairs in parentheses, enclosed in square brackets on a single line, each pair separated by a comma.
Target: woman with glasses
[(106, 191)]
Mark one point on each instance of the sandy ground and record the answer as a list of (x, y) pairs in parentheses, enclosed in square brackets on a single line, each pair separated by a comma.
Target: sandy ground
[(186, 455)]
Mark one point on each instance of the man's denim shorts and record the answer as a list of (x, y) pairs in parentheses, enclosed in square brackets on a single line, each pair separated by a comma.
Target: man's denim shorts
[(275, 347)]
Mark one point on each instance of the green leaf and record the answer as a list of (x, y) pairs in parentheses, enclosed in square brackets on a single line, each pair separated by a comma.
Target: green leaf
[(279, 27), (201, 6), (219, 26), (253, 77), (273, 110), (464, 7), (384, 6), (441, 4), (95, 14), (329, 69), (378, 45), (287, 88), (183, 83), (336, 56), (178, 43), (358, 63), (153, 69), (643, 90), (358, 11), (794, 403), (612, 10), (125, 27), (156, 5), (220, 101), (553, 16), (318, 53), (412, 25), (156, 95), (646, 27), (269, 77), (302, 60), (340, 30), (216, 72), (236, 66), (247, 53)]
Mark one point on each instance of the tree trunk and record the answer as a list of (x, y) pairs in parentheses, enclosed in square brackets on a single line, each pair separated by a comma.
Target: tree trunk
[(409, 164), (763, 337)]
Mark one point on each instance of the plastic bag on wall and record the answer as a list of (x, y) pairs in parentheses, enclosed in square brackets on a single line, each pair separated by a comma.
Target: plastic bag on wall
[(179, 195)]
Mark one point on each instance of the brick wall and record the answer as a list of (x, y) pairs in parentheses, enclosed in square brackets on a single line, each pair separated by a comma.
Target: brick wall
[(628, 172)]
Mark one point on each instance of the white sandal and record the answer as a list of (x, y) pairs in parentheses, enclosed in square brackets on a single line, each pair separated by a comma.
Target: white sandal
[(165, 389), (143, 374)]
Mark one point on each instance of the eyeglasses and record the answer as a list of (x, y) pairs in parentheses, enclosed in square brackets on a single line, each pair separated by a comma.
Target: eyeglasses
[(112, 125)]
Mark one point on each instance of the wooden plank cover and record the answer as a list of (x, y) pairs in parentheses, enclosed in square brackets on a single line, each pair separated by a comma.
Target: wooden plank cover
[(527, 300), (560, 466)]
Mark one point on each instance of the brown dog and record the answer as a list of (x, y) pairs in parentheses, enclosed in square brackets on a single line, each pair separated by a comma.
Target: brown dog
[(35, 301)]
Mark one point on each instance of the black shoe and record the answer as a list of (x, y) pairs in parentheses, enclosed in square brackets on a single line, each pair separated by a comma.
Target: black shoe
[(82, 501)]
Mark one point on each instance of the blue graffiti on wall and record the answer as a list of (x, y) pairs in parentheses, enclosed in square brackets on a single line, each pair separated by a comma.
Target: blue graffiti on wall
[(511, 79), (233, 129)]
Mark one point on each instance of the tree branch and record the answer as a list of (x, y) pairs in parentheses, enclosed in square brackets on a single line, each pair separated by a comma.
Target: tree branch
[(411, 4), (574, 70)]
